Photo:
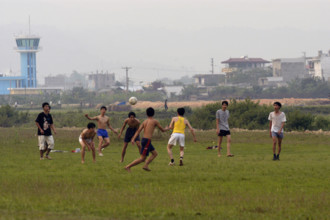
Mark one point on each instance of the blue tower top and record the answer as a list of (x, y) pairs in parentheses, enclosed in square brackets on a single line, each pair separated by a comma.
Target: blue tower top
[(28, 46)]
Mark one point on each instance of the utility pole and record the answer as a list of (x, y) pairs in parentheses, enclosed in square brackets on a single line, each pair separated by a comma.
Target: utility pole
[(212, 66), (126, 68)]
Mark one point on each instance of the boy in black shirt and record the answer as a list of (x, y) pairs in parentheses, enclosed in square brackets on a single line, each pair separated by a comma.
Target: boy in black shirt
[(45, 124)]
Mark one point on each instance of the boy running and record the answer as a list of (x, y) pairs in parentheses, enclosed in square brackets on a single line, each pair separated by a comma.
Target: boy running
[(133, 126), (178, 125), (86, 139), (45, 124), (148, 126), (277, 120), (102, 122), (222, 117)]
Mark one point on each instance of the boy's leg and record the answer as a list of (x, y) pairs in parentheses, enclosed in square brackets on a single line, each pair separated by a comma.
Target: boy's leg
[(228, 145), (219, 145), (181, 155), (93, 151), (279, 148), (170, 154), (41, 142), (138, 144), (135, 162), (123, 152), (106, 142), (274, 138), (100, 144), (50, 143), (82, 151), (150, 159)]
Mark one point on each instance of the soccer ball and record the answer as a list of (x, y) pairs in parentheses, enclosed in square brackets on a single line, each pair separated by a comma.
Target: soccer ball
[(133, 100)]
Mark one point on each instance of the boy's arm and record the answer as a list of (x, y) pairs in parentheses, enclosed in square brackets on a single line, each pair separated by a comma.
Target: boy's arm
[(91, 118), (191, 130), (137, 133), (270, 128), (282, 125), (53, 128), (40, 129), (122, 128), (172, 124), (161, 128), (217, 122), (111, 128)]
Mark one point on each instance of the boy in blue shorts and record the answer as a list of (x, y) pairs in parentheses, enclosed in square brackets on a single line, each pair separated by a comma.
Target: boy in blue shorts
[(148, 127), (102, 122), (277, 120)]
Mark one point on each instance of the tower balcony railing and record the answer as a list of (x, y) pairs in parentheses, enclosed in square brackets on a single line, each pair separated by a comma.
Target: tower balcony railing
[(27, 49)]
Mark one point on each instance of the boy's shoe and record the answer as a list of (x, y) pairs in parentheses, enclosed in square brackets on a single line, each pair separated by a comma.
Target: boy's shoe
[(41, 158), (171, 164), (274, 158), (100, 154), (48, 157), (278, 157), (181, 163)]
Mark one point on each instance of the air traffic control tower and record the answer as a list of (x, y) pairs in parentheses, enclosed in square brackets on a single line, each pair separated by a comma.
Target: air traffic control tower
[(28, 46)]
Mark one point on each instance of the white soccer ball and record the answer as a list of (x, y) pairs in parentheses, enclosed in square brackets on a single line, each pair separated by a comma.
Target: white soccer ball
[(133, 100)]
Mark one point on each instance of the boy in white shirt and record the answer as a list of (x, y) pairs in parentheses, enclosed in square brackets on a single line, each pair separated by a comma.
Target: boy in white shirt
[(277, 120)]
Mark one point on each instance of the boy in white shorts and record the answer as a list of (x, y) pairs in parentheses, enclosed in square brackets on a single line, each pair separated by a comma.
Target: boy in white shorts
[(45, 124), (178, 125), (86, 139)]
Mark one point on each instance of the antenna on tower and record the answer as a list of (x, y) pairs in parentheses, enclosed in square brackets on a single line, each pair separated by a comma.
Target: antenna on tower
[(29, 26)]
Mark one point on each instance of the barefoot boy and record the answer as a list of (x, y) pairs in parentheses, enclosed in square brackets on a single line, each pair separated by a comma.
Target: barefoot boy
[(45, 124), (178, 125), (148, 126), (133, 126), (86, 139), (277, 120), (222, 117), (102, 122)]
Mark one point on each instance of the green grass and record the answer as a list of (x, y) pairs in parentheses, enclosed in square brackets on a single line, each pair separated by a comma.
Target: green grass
[(247, 186)]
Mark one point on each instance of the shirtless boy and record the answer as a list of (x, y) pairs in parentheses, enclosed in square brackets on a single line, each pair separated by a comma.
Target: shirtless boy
[(133, 126), (86, 139), (148, 126), (102, 122)]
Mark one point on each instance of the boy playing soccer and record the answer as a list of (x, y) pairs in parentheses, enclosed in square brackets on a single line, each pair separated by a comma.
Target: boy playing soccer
[(222, 117), (102, 122), (148, 126), (277, 120), (86, 139), (45, 124), (178, 125), (133, 126)]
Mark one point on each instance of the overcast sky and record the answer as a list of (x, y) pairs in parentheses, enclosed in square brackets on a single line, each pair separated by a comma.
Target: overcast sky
[(160, 38)]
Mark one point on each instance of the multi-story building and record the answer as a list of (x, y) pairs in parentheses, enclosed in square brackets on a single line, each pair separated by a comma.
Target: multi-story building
[(289, 68), (320, 66)]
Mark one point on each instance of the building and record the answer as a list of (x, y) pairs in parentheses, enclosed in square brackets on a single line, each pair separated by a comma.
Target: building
[(173, 91), (289, 68), (271, 81), (100, 81), (27, 46), (320, 66), (55, 81), (242, 64), (209, 79)]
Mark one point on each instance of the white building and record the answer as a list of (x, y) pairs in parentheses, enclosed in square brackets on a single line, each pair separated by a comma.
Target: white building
[(320, 66)]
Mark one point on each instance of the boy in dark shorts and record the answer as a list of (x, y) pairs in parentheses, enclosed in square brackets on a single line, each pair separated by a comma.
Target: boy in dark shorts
[(133, 126), (277, 120), (222, 117), (148, 127)]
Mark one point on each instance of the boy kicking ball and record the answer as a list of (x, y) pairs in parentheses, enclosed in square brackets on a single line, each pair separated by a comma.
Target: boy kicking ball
[(277, 120), (148, 127), (222, 117), (86, 139), (178, 125)]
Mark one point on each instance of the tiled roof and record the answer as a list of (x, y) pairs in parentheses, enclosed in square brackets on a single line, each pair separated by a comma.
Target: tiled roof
[(245, 60)]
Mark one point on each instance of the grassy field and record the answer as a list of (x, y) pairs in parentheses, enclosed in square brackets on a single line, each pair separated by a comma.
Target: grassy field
[(247, 186)]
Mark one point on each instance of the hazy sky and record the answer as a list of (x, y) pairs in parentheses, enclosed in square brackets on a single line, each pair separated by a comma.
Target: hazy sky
[(160, 38)]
